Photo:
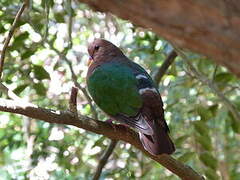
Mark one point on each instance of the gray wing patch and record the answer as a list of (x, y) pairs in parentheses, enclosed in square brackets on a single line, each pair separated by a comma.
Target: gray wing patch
[(145, 84)]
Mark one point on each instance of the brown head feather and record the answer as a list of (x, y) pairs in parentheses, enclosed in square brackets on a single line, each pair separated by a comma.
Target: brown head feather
[(101, 51)]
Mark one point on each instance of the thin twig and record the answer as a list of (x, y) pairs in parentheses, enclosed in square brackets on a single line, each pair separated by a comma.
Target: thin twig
[(70, 23), (214, 72), (10, 34), (9, 93), (73, 100), (204, 79), (47, 11), (4, 89), (74, 78), (104, 159), (84, 91), (117, 132), (164, 67)]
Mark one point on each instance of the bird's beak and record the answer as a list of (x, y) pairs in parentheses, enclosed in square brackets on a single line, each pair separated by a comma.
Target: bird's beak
[(90, 61)]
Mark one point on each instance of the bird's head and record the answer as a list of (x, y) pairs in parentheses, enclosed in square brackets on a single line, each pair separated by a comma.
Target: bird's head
[(101, 50)]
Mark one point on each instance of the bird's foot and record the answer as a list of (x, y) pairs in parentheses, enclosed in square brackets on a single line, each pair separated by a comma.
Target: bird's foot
[(110, 121)]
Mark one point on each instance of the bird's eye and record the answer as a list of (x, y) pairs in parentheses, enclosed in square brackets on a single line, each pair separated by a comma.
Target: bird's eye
[(96, 47)]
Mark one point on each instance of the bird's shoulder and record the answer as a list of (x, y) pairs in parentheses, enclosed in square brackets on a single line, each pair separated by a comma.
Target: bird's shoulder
[(145, 81)]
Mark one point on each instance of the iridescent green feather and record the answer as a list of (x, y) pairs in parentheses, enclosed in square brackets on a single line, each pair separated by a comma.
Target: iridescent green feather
[(113, 87)]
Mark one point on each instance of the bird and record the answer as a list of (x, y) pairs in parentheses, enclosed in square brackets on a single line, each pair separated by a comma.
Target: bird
[(127, 94)]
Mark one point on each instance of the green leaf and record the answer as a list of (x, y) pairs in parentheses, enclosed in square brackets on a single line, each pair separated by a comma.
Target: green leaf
[(213, 109), (173, 70), (40, 89), (19, 41), (178, 142), (22, 36), (234, 123), (40, 73), (211, 174), (47, 3), (201, 127), (56, 66), (2, 133), (98, 142), (223, 77), (208, 160), (203, 112), (203, 64), (235, 175), (205, 142), (2, 29), (186, 156), (59, 17), (37, 22), (28, 53), (19, 89)]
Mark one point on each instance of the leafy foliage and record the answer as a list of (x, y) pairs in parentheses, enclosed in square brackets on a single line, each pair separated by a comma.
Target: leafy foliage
[(204, 131)]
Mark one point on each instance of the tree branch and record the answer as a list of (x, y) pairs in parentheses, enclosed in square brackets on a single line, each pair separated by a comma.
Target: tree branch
[(104, 159), (164, 67), (116, 132), (10, 34)]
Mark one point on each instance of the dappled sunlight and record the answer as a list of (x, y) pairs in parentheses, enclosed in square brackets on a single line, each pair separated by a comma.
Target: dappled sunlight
[(48, 55)]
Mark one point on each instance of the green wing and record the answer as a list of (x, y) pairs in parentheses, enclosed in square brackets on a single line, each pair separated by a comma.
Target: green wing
[(113, 87)]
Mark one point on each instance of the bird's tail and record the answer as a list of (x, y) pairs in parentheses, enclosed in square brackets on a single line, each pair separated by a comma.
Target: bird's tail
[(158, 143)]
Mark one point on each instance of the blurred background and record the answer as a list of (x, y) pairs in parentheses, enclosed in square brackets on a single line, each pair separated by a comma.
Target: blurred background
[(50, 46)]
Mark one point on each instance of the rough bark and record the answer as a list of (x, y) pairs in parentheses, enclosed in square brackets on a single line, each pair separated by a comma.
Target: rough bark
[(115, 132), (209, 27)]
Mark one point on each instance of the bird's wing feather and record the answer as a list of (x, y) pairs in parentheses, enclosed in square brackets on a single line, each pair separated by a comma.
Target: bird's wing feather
[(114, 88), (152, 109)]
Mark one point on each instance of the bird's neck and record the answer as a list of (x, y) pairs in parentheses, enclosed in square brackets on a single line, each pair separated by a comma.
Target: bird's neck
[(104, 59)]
